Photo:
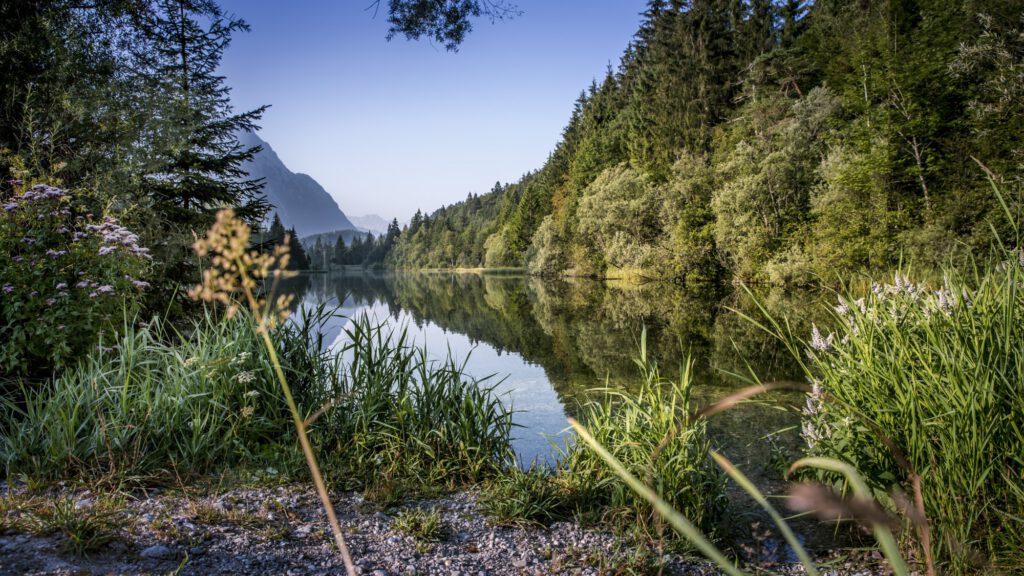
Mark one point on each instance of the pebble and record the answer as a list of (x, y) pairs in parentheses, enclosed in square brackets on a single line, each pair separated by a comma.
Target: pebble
[(157, 552), (166, 526)]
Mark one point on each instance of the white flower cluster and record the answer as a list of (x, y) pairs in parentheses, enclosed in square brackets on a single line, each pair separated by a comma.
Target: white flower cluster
[(116, 236)]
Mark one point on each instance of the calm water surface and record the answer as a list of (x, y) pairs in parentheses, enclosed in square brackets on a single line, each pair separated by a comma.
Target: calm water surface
[(550, 345)]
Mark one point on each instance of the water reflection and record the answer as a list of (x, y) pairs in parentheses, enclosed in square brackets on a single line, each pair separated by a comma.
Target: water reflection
[(553, 342)]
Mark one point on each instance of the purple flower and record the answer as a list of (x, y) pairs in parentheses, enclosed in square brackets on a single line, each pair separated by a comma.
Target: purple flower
[(10, 207), (82, 285), (61, 286), (17, 258), (140, 284), (50, 301), (56, 253), (16, 182), (105, 289), (104, 250), (93, 294), (8, 288)]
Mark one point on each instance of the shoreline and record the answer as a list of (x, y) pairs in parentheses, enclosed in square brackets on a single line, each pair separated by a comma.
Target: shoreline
[(281, 530)]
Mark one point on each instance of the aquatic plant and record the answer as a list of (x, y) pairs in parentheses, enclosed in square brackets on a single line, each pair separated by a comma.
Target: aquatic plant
[(921, 389)]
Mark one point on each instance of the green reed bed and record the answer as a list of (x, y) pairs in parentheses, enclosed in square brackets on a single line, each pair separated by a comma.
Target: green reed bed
[(153, 403), (398, 419), (652, 432), (928, 382), (159, 404)]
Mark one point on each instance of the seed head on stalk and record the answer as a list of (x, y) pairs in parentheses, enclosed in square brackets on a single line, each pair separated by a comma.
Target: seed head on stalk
[(235, 269)]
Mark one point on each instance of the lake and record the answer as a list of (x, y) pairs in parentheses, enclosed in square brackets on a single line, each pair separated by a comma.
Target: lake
[(550, 345)]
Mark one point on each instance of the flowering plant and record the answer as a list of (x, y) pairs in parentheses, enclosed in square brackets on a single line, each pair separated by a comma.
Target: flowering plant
[(65, 277)]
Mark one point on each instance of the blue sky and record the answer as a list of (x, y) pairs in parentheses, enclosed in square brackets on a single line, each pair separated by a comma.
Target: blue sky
[(389, 127)]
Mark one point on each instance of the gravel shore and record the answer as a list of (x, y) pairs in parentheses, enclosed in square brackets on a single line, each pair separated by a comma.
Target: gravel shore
[(281, 531)]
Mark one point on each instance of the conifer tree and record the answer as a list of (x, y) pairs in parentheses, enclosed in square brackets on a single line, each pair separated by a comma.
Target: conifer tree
[(298, 259), (196, 163)]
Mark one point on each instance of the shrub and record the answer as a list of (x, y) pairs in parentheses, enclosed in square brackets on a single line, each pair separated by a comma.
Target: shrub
[(938, 374), (65, 278)]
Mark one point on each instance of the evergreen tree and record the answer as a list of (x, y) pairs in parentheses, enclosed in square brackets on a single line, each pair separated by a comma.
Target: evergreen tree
[(297, 257), (276, 231), (196, 165), (340, 251)]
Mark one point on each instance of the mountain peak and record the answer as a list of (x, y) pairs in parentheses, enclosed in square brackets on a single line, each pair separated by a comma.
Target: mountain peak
[(298, 199)]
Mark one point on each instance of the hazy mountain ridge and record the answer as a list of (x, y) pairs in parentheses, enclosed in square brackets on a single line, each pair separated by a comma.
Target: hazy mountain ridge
[(298, 199), (330, 238), (371, 223)]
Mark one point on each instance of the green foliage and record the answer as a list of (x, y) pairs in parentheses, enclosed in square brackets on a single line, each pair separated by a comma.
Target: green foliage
[(689, 252), (786, 143), (936, 373), (157, 401), (87, 528), (123, 98), (527, 497), (447, 22), (400, 419), (423, 525), (767, 174), (153, 402), (618, 217), (651, 430), (67, 277)]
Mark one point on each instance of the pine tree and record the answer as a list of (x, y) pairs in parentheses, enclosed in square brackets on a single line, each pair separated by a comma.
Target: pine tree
[(276, 232), (340, 251), (197, 162), (298, 259)]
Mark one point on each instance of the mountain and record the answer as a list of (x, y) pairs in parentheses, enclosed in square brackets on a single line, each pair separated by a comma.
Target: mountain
[(297, 198), (330, 238), (371, 223)]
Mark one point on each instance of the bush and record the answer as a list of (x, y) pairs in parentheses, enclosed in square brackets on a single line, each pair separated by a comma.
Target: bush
[(940, 373), (65, 278)]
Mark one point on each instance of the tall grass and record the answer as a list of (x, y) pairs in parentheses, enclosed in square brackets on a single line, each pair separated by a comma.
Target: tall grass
[(160, 403), (399, 419), (152, 404), (651, 432), (923, 388)]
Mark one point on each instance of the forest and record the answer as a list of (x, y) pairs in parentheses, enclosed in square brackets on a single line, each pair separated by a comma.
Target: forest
[(788, 143), (156, 370)]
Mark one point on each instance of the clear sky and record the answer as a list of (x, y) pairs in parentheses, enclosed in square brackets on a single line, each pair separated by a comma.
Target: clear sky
[(389, 127)]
